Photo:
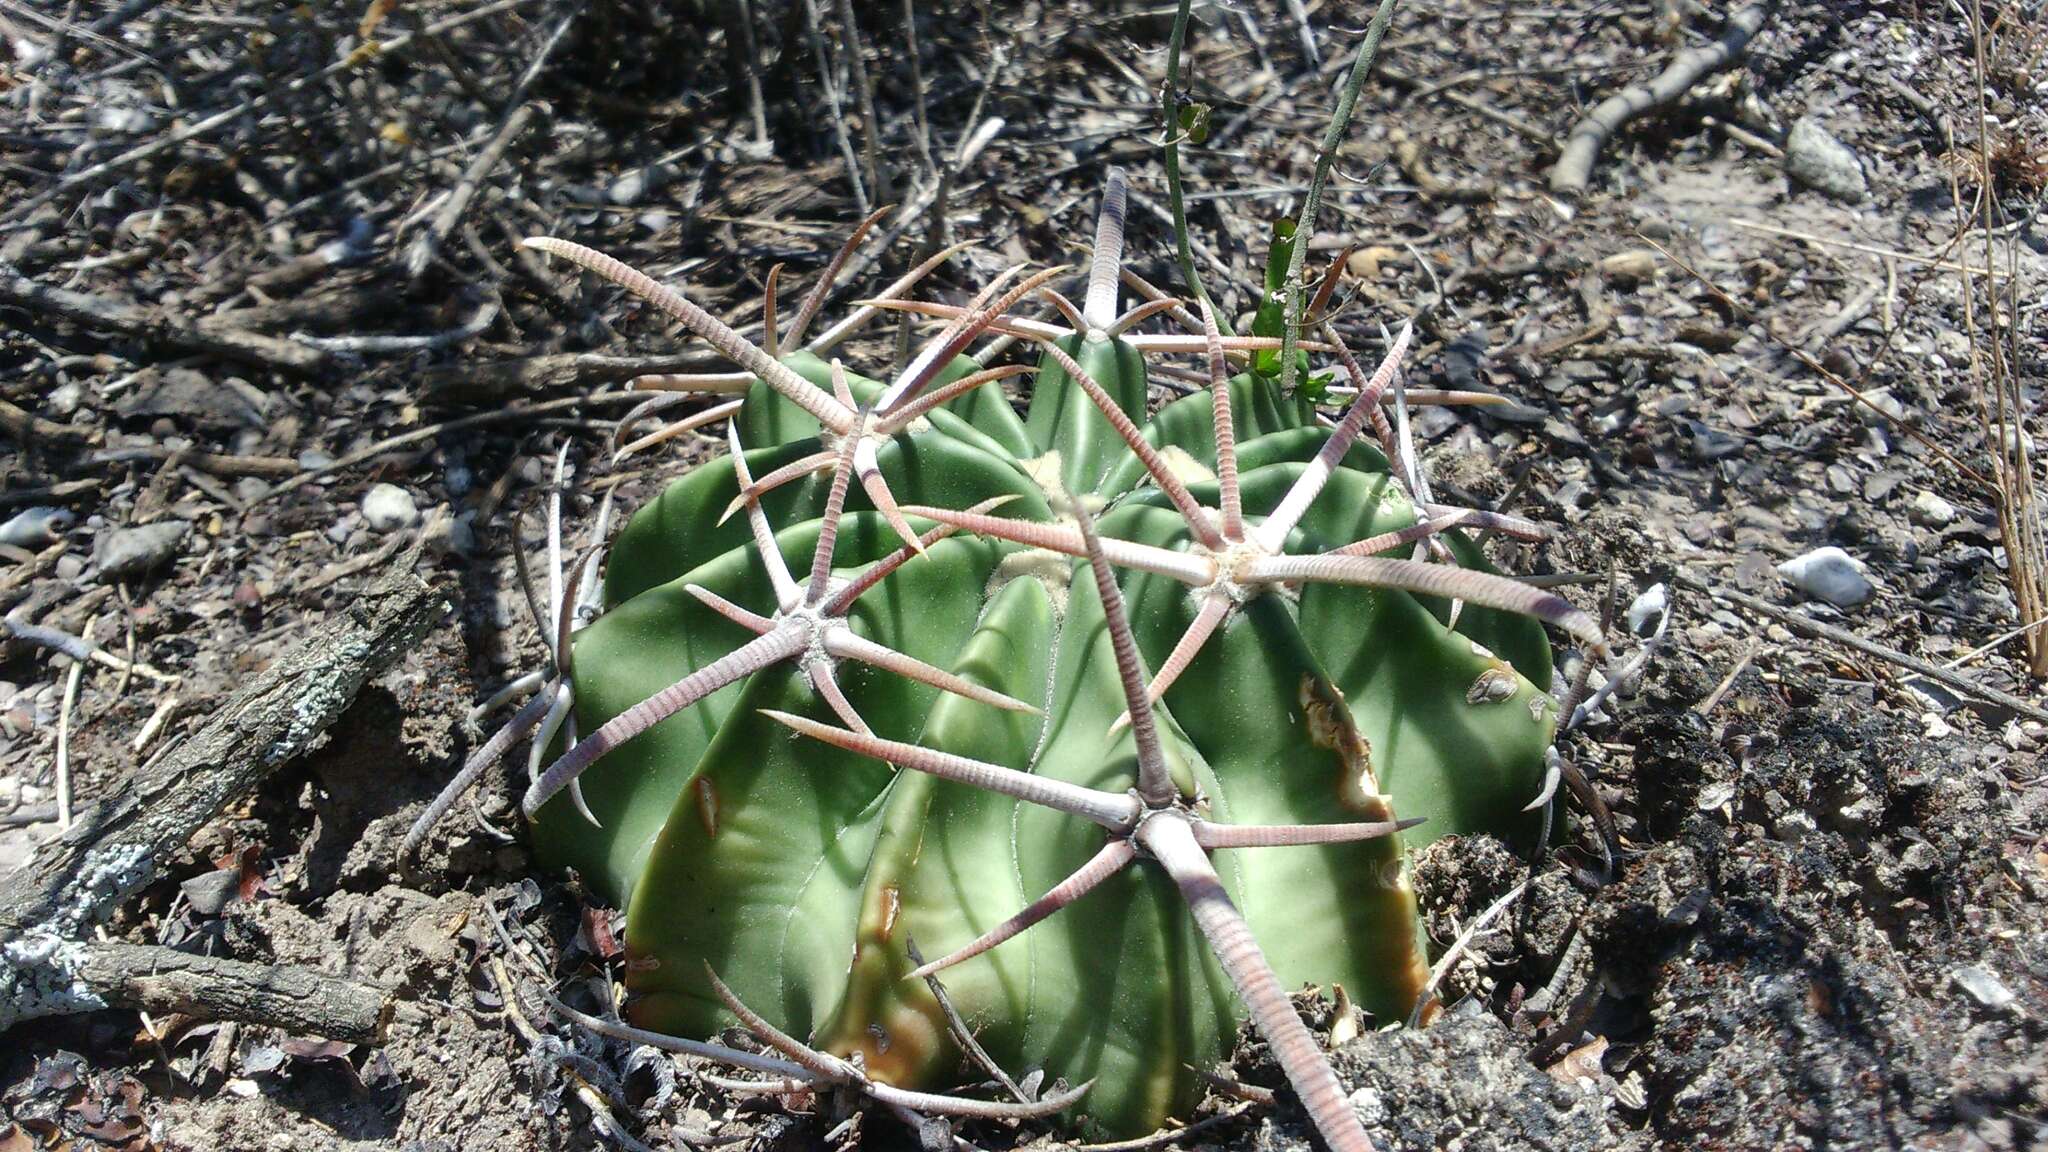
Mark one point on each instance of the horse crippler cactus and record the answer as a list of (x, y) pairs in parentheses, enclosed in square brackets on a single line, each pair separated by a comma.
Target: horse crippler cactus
[(906, 662)]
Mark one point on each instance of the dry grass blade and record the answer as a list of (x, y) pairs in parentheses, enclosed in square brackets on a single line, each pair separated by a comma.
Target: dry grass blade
[(2001, 404)]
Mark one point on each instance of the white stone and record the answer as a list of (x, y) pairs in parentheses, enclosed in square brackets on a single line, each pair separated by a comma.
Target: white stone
[(389, 508), (1829, 574), (65, 399), (1983, 985), (1648, 609), (1931, 510)]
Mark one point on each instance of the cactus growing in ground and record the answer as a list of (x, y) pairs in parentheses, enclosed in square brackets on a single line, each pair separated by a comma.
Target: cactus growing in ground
[(875, 679)]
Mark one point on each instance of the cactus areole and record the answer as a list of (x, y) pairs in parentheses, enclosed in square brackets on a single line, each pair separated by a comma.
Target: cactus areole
[(865, 686)]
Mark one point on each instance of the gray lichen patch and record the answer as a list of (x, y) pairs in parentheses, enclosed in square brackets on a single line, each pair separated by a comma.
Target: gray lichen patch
[(106, 876), (40, 976), (323, 698)]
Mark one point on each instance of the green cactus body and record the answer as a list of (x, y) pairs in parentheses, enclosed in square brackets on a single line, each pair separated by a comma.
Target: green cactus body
[(800, 872)]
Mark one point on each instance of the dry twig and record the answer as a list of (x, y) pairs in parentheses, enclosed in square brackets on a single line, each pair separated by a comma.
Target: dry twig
[(1574, 168)]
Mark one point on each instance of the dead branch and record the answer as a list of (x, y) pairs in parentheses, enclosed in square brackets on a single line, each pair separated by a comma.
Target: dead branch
[(421, 253), (518, 115), (53, 977), (554, 372), (213, 463), (122, 844), (1574, 168), (208, 125), (429, 431), (1982, 693), (24, 426), (159, 328), (816, 36)]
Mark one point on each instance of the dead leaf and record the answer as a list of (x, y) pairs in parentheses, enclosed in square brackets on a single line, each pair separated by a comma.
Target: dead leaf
[(596, 934), (1344, 1018), (1581, 1063), (315, 1049)]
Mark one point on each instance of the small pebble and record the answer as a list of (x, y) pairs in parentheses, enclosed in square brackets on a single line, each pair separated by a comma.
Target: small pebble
[(64, 400), (126, 552), (1879, 407), (462, 535), (1931, 510), (1714, 796), (1793, 827), (634, 186), (124, 121), (1920, 857), (210, 892), (388, 508), (1829, 574), (1648, 609), (1982, 985), (1630, 267)]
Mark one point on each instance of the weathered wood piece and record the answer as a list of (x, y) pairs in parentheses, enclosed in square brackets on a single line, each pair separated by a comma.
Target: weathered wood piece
[(121, 845)]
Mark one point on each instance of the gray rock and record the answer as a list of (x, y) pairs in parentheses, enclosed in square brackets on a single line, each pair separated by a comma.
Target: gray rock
[(462, 535), (1813, 157), (36, 527), (1880, 407), (388, 508), (126, 552), (193, 398), (210, 892)]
